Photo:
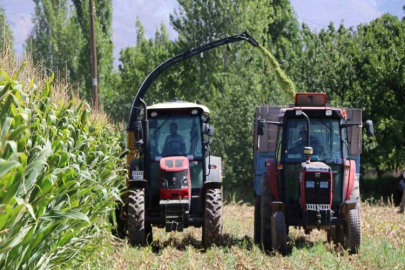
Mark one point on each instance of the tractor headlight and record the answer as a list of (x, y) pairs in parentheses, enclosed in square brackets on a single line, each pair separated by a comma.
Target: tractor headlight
[(164, 183), (324, 185), (184, 183), (310, 184)]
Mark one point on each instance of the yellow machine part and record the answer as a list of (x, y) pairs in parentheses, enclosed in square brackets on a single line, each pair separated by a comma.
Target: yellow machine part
[(133, 151)]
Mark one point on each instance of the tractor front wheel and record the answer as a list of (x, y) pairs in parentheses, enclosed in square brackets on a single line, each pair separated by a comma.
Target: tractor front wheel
[(213, 224), (137, 231), (120, 230), (353, 223), (278, 232), (353, 231)]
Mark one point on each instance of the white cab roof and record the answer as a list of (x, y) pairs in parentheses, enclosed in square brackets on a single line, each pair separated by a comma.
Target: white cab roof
[(178, 104)]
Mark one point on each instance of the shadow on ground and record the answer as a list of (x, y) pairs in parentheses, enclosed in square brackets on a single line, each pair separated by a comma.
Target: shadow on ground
[(189, 240)]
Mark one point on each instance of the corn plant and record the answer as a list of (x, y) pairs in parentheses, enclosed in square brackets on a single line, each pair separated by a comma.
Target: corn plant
[(60, 175)]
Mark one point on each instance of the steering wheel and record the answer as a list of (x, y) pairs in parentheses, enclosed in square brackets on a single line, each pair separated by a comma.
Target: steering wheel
[(174, 147)]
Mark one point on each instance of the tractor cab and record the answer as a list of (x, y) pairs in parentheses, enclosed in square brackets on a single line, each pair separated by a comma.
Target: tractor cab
[(178, 151), (310, 172), (170, 164), (176, 142)]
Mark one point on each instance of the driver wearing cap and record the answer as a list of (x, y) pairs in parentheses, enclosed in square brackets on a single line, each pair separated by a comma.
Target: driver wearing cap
[(174, 143)]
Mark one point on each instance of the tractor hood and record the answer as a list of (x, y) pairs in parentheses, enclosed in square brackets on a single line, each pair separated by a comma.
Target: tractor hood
[(174, 164)]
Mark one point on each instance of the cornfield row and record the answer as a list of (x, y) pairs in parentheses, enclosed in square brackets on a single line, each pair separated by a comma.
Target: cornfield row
[(60, 173)]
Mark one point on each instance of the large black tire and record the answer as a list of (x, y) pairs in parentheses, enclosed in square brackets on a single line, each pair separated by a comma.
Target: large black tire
[(266, 198), (136, 217), (353, 231), (349, 236), (257, 221), (120, 230), (213, 224), (353, 223), (278, 232)]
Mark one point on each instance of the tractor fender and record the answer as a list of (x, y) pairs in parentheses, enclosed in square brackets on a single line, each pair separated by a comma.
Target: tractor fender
[(277, 206), (349, 205), (350, 178), (271, 168), (214, 171), (135, 165)]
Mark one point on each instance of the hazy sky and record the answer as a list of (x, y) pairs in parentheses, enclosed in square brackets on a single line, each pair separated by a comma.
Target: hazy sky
[(316, 13)]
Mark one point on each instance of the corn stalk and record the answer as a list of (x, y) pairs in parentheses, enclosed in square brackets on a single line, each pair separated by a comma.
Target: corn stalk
[(60, 174)]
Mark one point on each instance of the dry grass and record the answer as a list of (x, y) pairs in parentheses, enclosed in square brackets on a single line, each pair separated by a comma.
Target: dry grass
[(63, 92), (383, 247)]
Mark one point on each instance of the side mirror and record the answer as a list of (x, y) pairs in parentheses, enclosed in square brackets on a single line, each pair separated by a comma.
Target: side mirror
[(369, 128), (138, 131), (208, 129), (260, 127)]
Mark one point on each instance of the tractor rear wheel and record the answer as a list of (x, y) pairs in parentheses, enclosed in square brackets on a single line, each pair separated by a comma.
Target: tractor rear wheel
[(136, 217), (213, 224), (278, 232), (266, 198), (257, 221)]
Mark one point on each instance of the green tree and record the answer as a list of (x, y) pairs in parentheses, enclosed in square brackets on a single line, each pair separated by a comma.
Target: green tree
[(379, 60), (5, 32), (54, 39), (232, 80), (362, 68), (105, 58), (60, 39), (136, 63)]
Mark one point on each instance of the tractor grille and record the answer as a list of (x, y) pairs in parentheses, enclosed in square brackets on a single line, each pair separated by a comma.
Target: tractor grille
[(174, 180), (317, 188)]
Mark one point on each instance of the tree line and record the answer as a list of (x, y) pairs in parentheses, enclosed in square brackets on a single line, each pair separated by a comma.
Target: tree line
[(360, 67)]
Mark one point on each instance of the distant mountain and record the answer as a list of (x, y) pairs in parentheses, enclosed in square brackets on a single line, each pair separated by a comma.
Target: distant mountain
[(316, 13)]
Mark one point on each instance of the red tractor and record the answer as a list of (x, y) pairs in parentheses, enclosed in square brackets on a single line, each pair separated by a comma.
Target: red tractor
[(307, 162), (173, 180)]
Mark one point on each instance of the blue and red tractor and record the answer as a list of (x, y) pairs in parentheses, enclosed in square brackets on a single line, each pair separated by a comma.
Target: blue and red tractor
[(307, 162)]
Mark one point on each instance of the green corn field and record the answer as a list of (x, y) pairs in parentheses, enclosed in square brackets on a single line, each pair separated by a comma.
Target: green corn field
[(60, 173)]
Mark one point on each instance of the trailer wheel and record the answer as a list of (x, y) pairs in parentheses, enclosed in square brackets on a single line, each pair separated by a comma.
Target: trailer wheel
[(257, 221), (266, 198), (278, 232), (136, 217), (212, 229)]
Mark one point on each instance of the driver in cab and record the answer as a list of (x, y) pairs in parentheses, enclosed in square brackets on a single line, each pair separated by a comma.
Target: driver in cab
[(174, 143), (298, 147)]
